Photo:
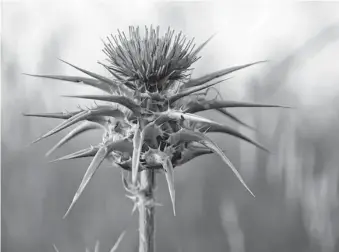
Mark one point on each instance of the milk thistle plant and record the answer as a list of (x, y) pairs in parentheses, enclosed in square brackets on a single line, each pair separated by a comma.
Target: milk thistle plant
[(148, 116)]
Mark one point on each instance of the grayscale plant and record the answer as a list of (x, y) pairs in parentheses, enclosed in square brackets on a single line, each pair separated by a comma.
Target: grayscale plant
[(148, 116)]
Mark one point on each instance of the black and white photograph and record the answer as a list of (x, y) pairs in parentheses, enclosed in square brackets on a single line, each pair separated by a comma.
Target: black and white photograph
[(169, 126)]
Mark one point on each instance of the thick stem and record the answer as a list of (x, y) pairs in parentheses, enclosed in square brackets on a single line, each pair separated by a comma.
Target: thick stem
[(147, 212)]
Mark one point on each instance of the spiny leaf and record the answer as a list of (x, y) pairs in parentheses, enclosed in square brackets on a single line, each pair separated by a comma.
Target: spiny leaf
[(88, 152), (81, 116), (112, 84), (138, 141), (69, 122), (185, 135), (137, 146), (234, 118), (180, 116), (169, 173), (123, 145), (220, 128), (75, 132), (190, 154), (127, 165), (212, 126), (97, 160), (151, 132), (88, 81), (117, 243), (60, 115), (209, 77), (218, 151), (198, 106), (192, 90), (122, 100)]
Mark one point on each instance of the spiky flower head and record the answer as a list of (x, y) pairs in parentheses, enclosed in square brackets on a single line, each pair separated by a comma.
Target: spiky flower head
[(148, 109), (151, 59)]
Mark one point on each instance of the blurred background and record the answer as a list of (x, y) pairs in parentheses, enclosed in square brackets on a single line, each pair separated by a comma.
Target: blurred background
[(296, 206)]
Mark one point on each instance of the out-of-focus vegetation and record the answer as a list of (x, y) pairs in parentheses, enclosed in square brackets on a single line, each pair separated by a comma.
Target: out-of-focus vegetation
[(296, 204)]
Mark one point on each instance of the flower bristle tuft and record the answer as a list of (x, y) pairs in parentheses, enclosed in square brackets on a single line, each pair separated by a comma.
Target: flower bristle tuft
[(150, 61)]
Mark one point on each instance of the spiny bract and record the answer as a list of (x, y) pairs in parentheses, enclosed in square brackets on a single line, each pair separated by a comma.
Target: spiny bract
[(148, 111)]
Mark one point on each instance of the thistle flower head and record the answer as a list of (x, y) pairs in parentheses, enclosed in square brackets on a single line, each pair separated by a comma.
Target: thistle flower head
[(146, 123), (151, 61)]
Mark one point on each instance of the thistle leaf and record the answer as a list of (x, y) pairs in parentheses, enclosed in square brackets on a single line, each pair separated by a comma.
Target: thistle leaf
[(122, 100), (151, 132), (207, 105), (96, 162), (81, 80), (218, 151), (75, 132), (190, 136), (138, 141), (137, 146), (81, 116), (234, 118), (88, 152), (183, 135), (112, 84), (220, 128), (127, 165), (190, 154), (169, 173), (117, 243), (60, 115), (209, 77), (192, 90), (180, 116), (69, 122), (122, 145), (211, 126)]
